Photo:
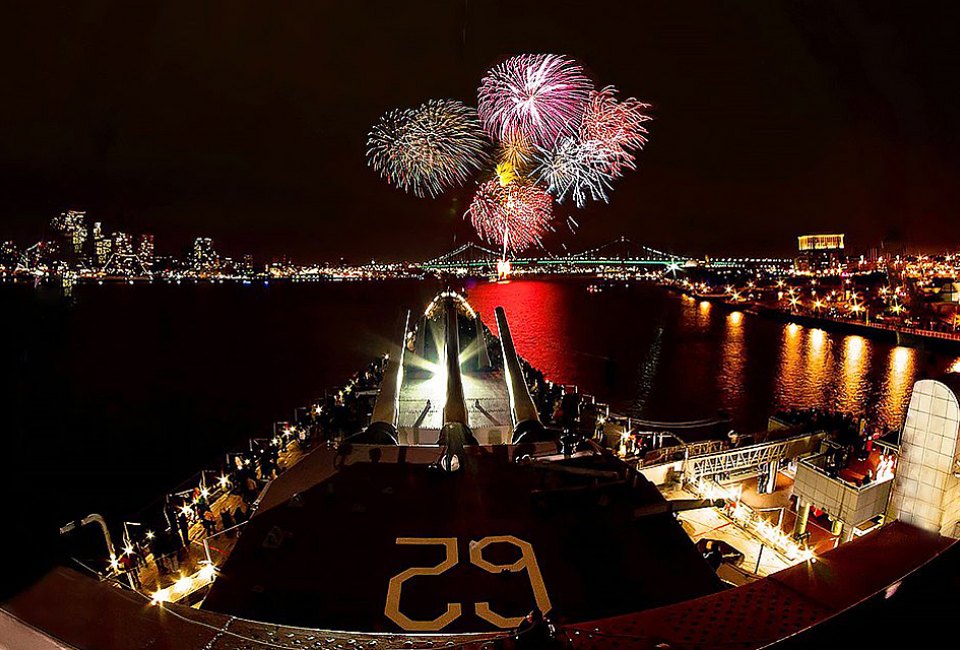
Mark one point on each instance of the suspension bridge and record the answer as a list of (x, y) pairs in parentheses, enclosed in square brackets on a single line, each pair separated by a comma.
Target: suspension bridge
[(620, 253)]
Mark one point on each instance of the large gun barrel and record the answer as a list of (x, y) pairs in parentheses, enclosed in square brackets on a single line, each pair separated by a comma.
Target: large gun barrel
[(483, 354), (387, 408), (455, 407), (455, 433), (386, 411), (526, 419)]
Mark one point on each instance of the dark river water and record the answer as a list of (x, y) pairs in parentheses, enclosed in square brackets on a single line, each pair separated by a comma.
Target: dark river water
[(127, 390)]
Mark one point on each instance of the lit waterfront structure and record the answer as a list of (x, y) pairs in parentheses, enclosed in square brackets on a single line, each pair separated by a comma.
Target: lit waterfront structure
[(245, 267), (9, 256), (820, 242), (618, 256), (904, 299), (145, 250), (71, 225), (124, 260), (104, 248), (817, 252), (122, 244), (204, 260), (39, 259), (919, 289)]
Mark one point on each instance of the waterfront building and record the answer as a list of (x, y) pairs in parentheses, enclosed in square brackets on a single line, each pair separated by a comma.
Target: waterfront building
[(819, 252), (145, 250), (103, 248), (246, 266), (9, 254), (204, 259), (124, 260), (123, 243), (71, 225)]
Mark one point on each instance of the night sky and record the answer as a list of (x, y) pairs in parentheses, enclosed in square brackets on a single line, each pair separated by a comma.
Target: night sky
[(246, 121)]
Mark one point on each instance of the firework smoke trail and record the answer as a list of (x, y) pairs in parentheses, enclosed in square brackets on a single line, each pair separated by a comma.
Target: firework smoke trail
[(429, 149), (514, 216), (538, 97)]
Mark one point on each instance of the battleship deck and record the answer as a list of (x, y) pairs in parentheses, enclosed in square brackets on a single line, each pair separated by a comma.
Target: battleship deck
[(80, 612), (487, 402), (335, 535)]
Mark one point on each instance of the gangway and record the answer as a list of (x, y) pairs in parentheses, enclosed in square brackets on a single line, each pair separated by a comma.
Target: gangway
[(750, 457)]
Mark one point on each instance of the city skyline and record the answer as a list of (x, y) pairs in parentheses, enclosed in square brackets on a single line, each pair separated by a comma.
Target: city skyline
[(67, 233), (764, 118)]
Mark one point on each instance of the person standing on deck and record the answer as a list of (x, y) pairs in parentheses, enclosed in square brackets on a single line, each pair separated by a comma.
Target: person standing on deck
[(184, 528)]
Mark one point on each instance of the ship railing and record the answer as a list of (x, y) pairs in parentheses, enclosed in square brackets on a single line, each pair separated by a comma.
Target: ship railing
[(219, 488), (218, 546), (195, 564)]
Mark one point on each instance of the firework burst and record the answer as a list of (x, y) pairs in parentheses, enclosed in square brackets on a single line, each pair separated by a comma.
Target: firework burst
[(549, 133), (581, 170), (536, 97), (584, 166), (516, 151), (429, 149), (514, 217), (616, 127)]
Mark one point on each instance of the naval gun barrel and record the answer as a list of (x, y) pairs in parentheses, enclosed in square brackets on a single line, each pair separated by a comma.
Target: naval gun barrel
[(387, 407), (523, 411), (386, 411), (455, 407), (455, 433)]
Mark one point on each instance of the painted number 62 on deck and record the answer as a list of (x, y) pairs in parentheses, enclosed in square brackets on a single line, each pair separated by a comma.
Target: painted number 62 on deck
[(527, 561)]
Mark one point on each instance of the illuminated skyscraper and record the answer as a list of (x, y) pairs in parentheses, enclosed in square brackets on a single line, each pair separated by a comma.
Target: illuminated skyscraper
[(9, 255), (71, 225), (246, 266), (122, 244), (103, 248), (145, 250), (204, 259), (124, 261)]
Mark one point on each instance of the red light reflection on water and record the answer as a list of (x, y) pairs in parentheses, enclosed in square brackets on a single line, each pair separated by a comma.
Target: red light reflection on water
[(539, 315), (655, 355)]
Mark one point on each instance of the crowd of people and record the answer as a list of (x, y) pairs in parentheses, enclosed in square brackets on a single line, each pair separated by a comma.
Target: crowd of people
[(167, 537), (853, 441), (554, 404)]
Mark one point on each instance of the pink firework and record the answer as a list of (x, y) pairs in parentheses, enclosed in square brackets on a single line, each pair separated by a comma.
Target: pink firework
[(537, 97), (514, 217), (614, 127)]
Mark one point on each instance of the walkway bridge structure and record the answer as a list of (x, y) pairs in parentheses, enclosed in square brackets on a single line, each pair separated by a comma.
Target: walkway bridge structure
[(750, 458), (619, 254)]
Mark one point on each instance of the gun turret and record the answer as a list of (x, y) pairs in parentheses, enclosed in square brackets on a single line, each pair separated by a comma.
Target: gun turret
[(523, 412)]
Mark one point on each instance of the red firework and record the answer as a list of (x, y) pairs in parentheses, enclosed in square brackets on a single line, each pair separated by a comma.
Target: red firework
[(514, 216), (615, 128)]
